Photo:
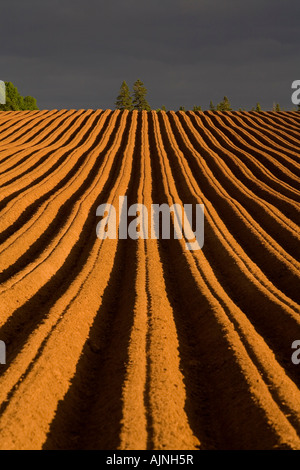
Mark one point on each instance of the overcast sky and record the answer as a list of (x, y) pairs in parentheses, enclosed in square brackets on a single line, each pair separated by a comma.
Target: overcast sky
[(76, 53)]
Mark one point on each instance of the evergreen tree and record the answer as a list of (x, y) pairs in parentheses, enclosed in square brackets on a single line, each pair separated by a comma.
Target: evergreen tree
[(182, 108), (224, 105), (276, 107), (15, 102), (124, 100), (139, 97), (197, 108), (211, 106), (163, 108), (258, 108)]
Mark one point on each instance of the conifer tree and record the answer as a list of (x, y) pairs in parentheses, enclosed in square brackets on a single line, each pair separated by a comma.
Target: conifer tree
[(163, 108), (258, 108), (139, 97), (124, 100), (182, 108), (212, 106), (197, 108), (276, 107), (224, 105)]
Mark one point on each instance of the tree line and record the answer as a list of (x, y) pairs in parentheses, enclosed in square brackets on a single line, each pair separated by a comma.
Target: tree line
[(125, 100), (137, 100), (16, 102)]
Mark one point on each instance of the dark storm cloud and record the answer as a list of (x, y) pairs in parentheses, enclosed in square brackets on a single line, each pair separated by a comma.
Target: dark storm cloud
[(75, 54)]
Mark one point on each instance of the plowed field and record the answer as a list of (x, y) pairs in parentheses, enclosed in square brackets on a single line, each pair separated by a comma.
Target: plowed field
[(142, 344)]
